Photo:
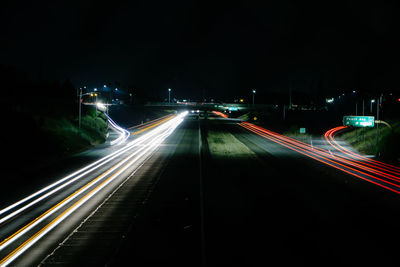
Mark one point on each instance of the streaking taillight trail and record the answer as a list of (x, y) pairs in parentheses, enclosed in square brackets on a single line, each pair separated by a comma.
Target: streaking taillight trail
[(378, 173), (220, 114), (329, 137)]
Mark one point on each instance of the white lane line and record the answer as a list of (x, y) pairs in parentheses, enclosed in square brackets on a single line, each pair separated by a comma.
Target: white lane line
[(91, 167), (27, 244)]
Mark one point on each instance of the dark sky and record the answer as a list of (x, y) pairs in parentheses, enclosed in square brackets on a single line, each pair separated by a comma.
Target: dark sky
[(212, 47)]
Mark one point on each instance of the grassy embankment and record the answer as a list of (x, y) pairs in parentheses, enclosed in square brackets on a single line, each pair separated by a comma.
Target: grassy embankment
[(40, 119), (364, 140), (63, 132)]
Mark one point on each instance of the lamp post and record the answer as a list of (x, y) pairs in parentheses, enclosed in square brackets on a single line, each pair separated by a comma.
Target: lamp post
[(95, 101), (372, 101), (169, 95), (80, 108), (105, 87), (354, 93), (254, 93), (80, 105)]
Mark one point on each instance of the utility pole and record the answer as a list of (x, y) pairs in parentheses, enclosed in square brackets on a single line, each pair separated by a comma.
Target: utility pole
[(372, 101), (80, 108), (363, 107), (356, 108), (284, 114), (363, 111), (377, 125)]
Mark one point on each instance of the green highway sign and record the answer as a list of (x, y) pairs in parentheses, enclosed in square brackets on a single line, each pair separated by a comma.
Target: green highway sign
[(359, 121), (302, 130), (233, 108)]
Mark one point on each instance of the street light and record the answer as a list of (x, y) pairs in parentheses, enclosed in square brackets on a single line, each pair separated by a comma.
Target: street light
[(254, 93), (169, 95), (80, 104), (372, 101), (101, 106)]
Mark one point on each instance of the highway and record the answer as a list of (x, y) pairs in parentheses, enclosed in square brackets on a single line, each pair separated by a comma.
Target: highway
[(264, 203), (190, 191), (25, 222)]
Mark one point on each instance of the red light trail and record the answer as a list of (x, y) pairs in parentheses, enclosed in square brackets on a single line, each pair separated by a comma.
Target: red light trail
[(376, 172), (329, 137), (220, 114)]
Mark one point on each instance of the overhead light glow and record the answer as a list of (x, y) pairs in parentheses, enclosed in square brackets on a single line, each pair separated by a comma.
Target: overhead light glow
[(101, 106)]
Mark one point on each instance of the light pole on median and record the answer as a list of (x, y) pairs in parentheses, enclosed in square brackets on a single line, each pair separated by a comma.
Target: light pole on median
[(254, 93), (169, 95)]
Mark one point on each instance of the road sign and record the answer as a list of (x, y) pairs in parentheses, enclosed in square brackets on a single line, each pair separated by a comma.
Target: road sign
[(302, 130), (359, 121), (233, 108)]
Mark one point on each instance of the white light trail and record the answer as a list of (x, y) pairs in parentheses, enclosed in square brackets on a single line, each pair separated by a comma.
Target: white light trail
[(139, 154), (123, 134), (84, 171)]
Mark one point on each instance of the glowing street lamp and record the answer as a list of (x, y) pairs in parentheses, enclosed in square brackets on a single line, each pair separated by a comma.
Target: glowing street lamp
[(169, 95), (254, 93), (372, 101), (101, 106), (80, 104)]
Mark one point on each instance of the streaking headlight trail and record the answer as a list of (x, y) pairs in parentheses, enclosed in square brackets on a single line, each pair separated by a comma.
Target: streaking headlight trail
[(123, 134), (132, 154), (78, 174)]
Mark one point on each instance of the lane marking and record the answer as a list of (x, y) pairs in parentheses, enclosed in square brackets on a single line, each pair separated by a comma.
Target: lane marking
[(82, 172), (151, 126), (323, 159), (33, 239)]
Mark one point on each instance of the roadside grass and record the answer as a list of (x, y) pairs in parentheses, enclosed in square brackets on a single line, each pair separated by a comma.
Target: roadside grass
[(254, 116), (244, 117), (361, 139), (294, 132), (65, 138), (364, 140)]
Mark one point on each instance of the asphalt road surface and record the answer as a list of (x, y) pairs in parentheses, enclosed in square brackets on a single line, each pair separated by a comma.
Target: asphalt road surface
[(214, 193)]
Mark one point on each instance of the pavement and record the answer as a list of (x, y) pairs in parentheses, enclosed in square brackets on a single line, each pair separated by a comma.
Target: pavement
[(216, 194), (269, 206)]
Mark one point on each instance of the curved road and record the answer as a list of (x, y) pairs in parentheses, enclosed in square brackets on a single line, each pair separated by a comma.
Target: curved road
[(219, 193)]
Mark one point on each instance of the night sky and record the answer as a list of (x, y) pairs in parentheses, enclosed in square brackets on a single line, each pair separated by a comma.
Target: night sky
[(207, 48)]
